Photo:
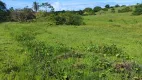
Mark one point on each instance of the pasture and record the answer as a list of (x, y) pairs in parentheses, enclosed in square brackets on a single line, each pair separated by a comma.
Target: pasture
[(73, 52)]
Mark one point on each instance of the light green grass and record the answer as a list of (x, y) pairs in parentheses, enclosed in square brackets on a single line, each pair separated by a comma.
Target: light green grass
[(123, 30)]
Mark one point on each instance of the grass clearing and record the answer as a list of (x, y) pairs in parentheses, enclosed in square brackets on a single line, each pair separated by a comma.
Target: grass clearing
[(69, 45)]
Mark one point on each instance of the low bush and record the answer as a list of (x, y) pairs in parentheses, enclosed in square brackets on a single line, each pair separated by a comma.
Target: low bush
[(112, 10), (22, 15), (105, 9), (68, 19), (126, 9), (138, 10)]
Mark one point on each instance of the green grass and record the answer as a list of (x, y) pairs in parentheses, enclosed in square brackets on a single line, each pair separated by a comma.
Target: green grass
[(121, 29)]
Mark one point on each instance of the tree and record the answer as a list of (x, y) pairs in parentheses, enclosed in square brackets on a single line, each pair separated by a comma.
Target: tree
[(80, 12), (138, 10), (123, 6), (97, 8), (2, 5), (88, 11), (46, 6), (117, 5), (3, 11), (107, 6), (35, 6), (11, 9)]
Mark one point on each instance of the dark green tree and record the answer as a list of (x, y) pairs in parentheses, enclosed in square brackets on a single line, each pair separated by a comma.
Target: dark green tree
[(107, 6), (3, 11), (117, 5), (97, 8), (11, 9), (2, 5), (138, 10), (47, 6), (88, 11)]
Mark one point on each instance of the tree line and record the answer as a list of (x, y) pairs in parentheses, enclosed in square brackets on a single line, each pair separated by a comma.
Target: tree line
[(35, 13)]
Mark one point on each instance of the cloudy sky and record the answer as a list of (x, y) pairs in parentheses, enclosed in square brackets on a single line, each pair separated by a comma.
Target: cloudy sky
[(69, 4)]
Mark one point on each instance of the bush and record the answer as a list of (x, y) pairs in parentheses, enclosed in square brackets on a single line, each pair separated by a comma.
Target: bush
[(41, 14), (88, 11), (97, 8), (126, 9), (22, 15), (68, 19), (105, 9), (138, 10), (113, 10), (3, 15)]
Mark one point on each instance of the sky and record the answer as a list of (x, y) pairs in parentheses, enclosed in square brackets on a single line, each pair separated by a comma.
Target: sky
[(70, 4)]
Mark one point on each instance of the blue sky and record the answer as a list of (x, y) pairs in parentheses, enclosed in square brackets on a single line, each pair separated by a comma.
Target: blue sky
[(69, 4)]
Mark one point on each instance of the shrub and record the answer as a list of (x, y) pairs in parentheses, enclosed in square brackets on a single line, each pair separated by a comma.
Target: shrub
[(138, 10), (68, 19), (97, 8), (41, 14), (113, 10), (126, 9), (88, 11), (3, 15), (105, 9), (22, 15)]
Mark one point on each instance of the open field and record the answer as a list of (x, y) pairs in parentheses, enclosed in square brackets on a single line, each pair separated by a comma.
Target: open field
[(122, 30)]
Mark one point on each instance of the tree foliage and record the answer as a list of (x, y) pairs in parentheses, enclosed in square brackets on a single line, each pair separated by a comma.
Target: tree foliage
[(107, 6), (68, 19), (117, 5), (138, 10), (3, 12), (47, 6), (97, 8), (88, 11)]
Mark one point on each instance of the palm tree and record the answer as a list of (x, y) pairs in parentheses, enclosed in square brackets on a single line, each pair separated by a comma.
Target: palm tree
[(35, 6), (2, 5)]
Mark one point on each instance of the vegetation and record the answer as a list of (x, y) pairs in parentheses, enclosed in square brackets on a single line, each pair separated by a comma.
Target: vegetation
[(107, 6), (3, 12), (22, 15), (88, 11), (97, 9), (56, 45), (68, 19), (138, 10), (125, 9), (117, 5)]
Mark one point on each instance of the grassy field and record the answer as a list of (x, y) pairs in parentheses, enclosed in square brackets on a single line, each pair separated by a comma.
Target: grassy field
[(73, 47)]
